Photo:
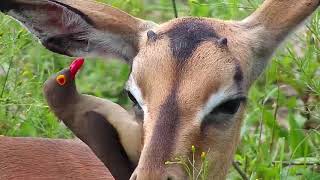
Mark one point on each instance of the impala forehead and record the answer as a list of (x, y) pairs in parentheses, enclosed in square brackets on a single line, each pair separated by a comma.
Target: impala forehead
[(187, 35)]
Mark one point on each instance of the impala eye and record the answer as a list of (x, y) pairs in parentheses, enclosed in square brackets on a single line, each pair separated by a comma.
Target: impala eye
[(224, 111), (229, 107)]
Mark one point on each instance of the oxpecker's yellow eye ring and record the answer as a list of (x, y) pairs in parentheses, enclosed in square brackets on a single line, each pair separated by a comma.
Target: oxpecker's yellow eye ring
[(61, 80)]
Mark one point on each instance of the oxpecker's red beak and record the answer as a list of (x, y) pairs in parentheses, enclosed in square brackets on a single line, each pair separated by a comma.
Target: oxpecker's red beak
[(76, 66)]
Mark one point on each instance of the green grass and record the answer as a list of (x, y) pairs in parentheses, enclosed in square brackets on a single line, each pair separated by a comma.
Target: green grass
[(278, 141)]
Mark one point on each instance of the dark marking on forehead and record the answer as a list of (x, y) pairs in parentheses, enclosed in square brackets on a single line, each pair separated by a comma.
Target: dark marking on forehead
[(187, 35), (165, 129)]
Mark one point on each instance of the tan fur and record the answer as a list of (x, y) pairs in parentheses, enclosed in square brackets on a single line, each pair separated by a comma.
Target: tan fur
[(35, 158), (279, 16), (209, 70), (108, 18), (251, 42)]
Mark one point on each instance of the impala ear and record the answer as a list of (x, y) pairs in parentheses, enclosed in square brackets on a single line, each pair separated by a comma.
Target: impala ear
[(279, 17), (258, 35), (79, 27)]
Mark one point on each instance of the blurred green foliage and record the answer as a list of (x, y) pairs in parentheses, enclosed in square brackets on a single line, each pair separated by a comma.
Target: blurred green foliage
[(283, 113)]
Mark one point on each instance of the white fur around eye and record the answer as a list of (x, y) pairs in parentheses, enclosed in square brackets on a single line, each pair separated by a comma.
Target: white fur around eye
[(136, 92), (214, 100)]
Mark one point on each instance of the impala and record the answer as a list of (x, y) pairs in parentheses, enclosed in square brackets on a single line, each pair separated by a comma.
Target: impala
[(190, 76)]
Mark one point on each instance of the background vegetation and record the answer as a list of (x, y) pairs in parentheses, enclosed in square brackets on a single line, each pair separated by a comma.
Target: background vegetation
[(280, 136)]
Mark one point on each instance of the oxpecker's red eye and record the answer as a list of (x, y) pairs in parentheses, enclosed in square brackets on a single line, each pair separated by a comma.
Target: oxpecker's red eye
[(61, 80)]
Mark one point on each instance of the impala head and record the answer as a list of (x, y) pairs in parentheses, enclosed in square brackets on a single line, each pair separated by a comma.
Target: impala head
[(190, 76)]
